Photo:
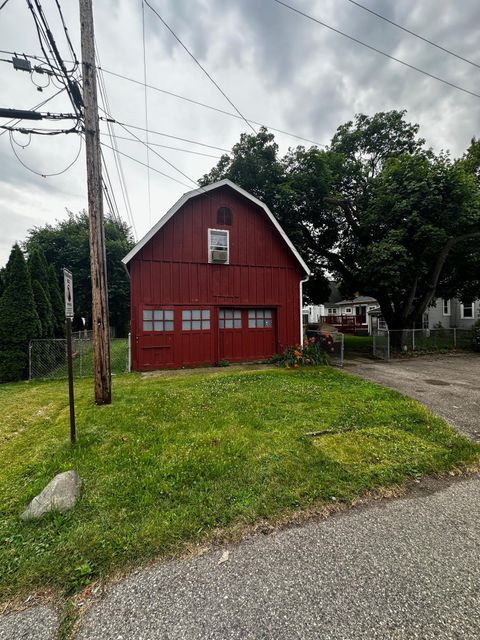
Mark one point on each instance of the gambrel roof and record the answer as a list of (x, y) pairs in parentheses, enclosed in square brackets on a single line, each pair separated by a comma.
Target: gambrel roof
[(197, 192)]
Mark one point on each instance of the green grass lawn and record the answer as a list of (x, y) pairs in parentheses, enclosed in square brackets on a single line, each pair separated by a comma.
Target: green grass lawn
[(175, 458), (358, 344)]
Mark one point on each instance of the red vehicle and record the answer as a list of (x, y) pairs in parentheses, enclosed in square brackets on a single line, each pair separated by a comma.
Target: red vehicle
[(215, 279)]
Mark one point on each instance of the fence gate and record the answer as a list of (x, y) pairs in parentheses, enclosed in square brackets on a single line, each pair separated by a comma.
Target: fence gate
[(381, 344)]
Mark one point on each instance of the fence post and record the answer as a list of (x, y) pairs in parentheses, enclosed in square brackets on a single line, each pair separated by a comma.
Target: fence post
[(388, 344), (413, 339), (129, 353), (29, 360), (342, 349), (454, 337)]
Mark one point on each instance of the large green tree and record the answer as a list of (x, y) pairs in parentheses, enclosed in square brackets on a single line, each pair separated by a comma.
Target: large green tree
[(19, 322), (66, 244), (376, 209)]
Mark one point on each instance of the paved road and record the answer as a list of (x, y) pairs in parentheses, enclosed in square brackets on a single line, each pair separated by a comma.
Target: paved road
[(449, 385), (395, 570)]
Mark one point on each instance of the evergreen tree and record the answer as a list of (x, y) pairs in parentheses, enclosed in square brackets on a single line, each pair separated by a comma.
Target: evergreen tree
[(44, 310), (19, 322), (57, 302), (37, 265)]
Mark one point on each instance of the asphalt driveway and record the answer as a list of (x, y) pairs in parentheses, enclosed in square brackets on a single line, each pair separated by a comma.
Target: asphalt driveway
[(449, 385)]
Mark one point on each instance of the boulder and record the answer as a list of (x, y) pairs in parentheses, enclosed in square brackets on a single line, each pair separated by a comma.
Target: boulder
[(60, 494)]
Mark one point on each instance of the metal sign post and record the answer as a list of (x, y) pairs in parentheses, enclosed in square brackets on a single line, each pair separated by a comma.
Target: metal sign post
[(68, 291)]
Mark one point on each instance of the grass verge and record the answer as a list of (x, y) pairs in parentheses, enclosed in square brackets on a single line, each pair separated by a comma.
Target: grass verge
[(176, 458)]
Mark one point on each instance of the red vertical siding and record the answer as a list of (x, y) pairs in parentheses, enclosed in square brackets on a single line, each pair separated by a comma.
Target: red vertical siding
[(172, 270)]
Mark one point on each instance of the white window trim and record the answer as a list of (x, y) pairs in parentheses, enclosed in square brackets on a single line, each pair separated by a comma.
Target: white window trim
[(227, 231), (462, 312), (449, 309)]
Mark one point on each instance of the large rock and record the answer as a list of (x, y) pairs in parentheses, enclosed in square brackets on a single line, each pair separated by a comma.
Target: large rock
[(60, 494)]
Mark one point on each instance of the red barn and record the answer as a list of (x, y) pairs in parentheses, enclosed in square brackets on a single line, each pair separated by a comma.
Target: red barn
[(215, 279)]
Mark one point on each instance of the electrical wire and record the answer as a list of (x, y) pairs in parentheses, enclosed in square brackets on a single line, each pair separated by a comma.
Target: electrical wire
[(103, 144), (3, 4), (145, 96), (198, 63), (165, 146), (167, 135), (372, 48), (117, 159), (412, 33), (47, 175), (40, 104), (212, 108), (67, 35)]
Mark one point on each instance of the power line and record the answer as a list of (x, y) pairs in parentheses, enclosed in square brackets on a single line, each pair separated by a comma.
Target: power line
[(3, 4), (186, 99), (368, 46), (165, 175), (38, 106), (145, 96), (167, 135), (200, 65), (211, 107), (165, 146), (412, 33), (116, 157), (46, 175)]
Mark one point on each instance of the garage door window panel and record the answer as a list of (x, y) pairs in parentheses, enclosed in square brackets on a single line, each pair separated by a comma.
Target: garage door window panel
[(260, 319), (157, 320)]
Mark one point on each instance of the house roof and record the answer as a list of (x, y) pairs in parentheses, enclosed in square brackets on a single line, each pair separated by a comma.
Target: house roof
[(353, 301), (197, 192)]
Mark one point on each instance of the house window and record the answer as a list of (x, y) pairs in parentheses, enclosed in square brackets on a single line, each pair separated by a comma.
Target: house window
[(259, 318), (348, 310), (224, 216), (230, 319), (218, 246), (446, 307), (158, 320), (331, 312), (425, 321), (468, 309), (196, 320)]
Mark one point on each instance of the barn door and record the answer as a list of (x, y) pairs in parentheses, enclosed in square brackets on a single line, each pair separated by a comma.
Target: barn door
[(155, 339), (246, 334), (231, 338)]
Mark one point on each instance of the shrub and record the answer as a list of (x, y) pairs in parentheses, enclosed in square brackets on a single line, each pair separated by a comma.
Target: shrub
[(313, 351)]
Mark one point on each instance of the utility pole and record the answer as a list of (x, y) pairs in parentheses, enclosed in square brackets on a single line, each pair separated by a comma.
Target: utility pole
[(100, 321)]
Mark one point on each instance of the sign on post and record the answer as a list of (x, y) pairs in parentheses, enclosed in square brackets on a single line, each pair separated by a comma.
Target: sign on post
[(68, 289), (68, 292)]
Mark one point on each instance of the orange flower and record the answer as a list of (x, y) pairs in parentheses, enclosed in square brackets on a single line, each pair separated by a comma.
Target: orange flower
[(297, 354)]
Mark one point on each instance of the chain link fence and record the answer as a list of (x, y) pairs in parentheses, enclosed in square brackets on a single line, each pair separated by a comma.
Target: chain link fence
[(381, 344), (388, 343), (48, 358)]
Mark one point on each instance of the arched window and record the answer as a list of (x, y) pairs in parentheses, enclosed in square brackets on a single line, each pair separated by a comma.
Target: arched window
[(224, 216)]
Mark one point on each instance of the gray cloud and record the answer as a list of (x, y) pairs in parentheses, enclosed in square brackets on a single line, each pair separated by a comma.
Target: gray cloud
[(278, 67)]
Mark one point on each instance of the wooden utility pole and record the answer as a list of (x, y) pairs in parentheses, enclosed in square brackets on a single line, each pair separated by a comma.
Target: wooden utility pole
[(100, 322)]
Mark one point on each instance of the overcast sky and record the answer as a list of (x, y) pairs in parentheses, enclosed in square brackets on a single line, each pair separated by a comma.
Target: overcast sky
[(277, 67)]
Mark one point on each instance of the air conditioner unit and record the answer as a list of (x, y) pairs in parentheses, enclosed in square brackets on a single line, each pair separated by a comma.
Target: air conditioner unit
[(219, 255)]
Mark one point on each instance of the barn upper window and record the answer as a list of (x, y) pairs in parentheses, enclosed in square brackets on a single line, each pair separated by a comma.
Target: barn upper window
[(224, 215), (158, 320), (218, 246)]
